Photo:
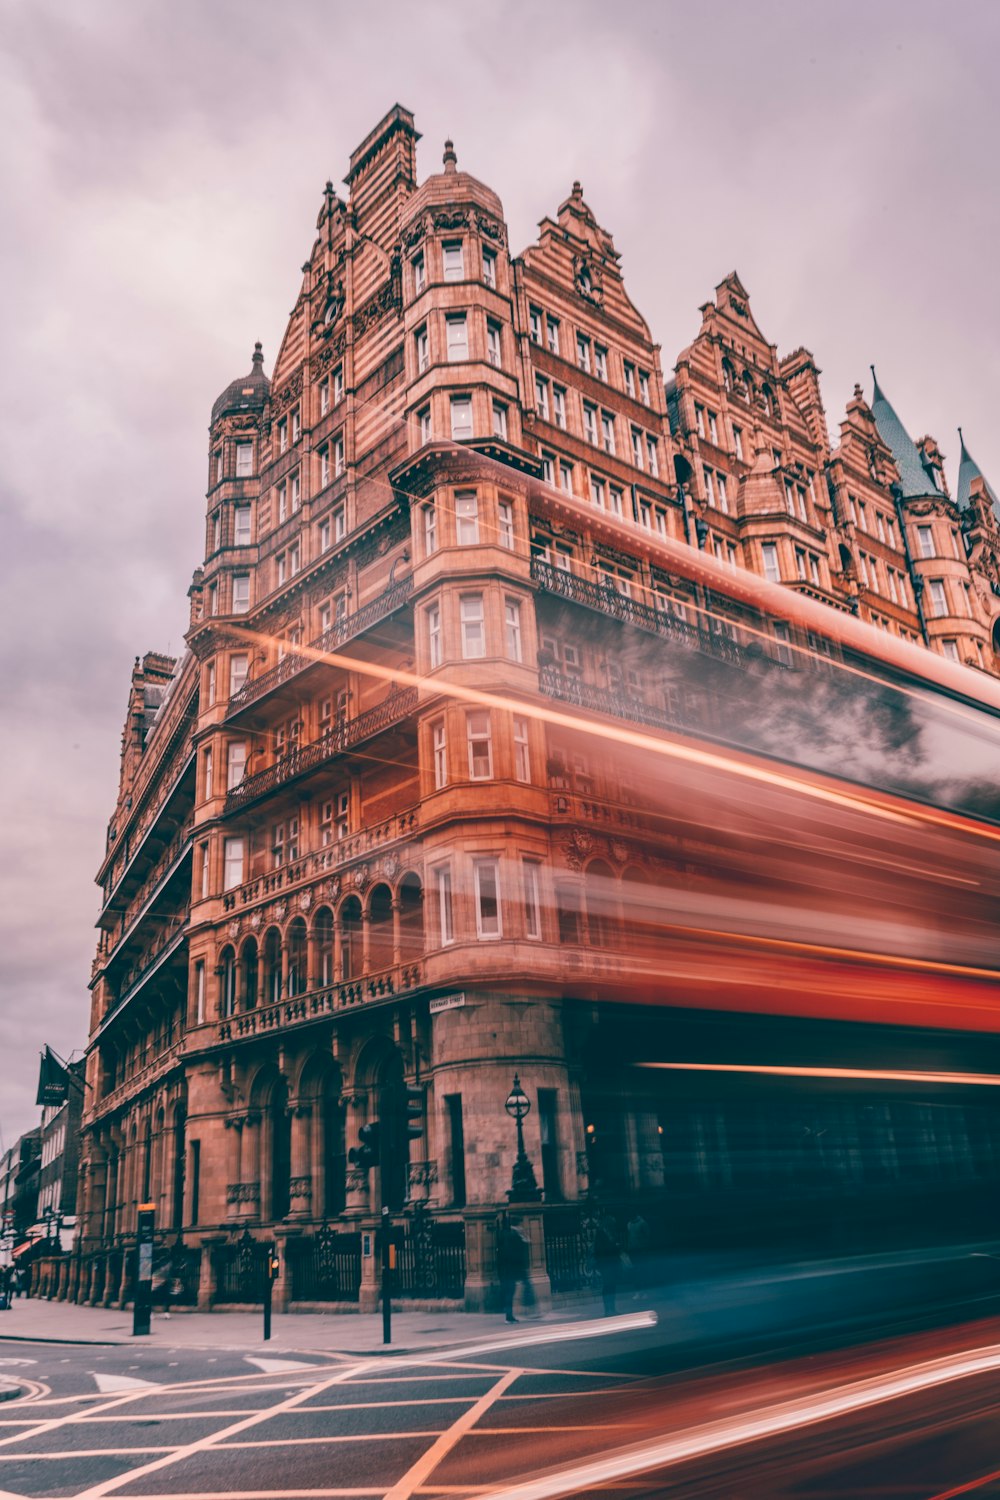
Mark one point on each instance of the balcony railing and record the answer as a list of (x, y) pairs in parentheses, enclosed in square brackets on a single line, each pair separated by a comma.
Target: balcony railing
[(556, 684), (171, 859), (392, 710), (333, 856), (327, 1001), (170, 939), (339, 633)]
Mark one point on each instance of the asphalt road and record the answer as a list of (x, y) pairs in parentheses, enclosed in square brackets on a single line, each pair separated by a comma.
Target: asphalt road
[(123, 1421)]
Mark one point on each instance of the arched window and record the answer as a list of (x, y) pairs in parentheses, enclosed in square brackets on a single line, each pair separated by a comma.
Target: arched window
[(272, 966), (768, 402), (296, 940), (747, 387), (728, 375), (350, 938), (380, 928), (600, 887), (323, 931), (250, 976), (227, 982), (411, 918)]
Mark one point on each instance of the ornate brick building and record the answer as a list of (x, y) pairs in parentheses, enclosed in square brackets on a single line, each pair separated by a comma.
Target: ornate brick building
[(361, 837)]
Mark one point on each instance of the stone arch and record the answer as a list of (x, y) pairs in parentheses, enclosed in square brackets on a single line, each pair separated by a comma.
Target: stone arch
[(601, 897), (380, 927), (270, 950), (269, 1101), (249, 962), (411, 917), (323, 928), (351, 929), (295, 943), (379, 1070), (769, 401), (728, 376), (746, 381), (321, 1088), (995, 637)]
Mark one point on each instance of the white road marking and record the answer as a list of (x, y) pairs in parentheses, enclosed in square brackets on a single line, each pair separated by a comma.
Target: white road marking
[(278, 1366), (108, 1383), (428, 1462)]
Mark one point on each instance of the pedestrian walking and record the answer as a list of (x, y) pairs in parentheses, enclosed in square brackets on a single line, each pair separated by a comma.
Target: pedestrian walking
[(513, 1259), (637, 1241), (608, 1260)]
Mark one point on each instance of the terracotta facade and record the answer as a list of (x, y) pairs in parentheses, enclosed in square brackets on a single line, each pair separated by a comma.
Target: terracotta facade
[(333, 869)]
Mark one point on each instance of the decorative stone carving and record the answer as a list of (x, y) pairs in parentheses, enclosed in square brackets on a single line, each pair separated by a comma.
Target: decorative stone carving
[(331, 888), (243, 1192), (305, 900), (288, 393), (422, 1173), (619, 851), (451, 218), (256, 918), (359, 877), (589, 278), (234, 929), (357, 1181), (391, 865), (279, 910), (300, 1187), (491, 229), (582, 1164)]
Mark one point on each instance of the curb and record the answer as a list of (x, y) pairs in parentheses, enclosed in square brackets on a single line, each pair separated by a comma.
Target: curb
[(11, 1392)]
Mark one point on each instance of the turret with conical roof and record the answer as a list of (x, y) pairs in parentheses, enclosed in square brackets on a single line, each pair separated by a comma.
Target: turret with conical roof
[(968, 473), (914, 478)]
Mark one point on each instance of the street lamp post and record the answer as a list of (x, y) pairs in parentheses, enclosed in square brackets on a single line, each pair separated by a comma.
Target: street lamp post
[(523, 1187)]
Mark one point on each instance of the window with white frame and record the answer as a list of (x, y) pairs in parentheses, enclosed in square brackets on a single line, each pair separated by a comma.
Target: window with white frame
[(480, 744), (282, 502), (590, 422), (552, 334), (241, 525), (512, 629), (709, 478), (473, 626), (218, 466), (699, 420), (782, 637), (439, 753), (925, 540), (453, 260), (738, 442), (653, 449), (532, 901), (542, 397), (419, 274), (466, 518), (325, 471), (522, 759), (284, 842), (549, 468), (241, 593), (535, 324), (600, 362), (236, 763), (499, 421), (615, 502), (434, 634), (213, 598), (446, 918), (296, 425), (487, 889), (950, 650), (338, 385), (429, 513), (722, 493), (281, 565), (457, 329), (294, 559), (583, 353), (608, 432), (637, 455), (294, 492), (559, 406), (424, 424), (210, 683), (505, 516), (325, 534), (283, 435), (713, 428), (422, 345), (324, 397), (232, 863), (493, 343), (244, 460), (207, 783), (566, 476), (939, 600), (769, 557), (597, 491), (643, 388), (217, 531), (629, 371), (239, 666), (461, 417)]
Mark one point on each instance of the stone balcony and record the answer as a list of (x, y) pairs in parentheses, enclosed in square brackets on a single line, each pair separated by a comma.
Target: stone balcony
[(400, 979)]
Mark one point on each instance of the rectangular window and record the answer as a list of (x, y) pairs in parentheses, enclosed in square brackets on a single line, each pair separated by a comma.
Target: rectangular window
[(738, 442), (458, 337), (566, 477), (244, 460), (210, 684), (950, 650), (552, 334), (324, 398), (424, 424), (535, 324), (559, 406), (325, 471), (282, 502), (769, 556), (487, 883), (232, 868), (236, 763), (505, 512), (294, 559), (532, 903), (549, 468), (722, 492), (338, 385), (590, 422), (709, 485), (493, 343), (473, 627), (216, 531), (296, 425), (326, 823), (637, 458), (549, 1142), (480, 743), (239, 665), (466, 518), (699, 420), (430, 528), (456, 1149), (653, 449), (583, 353), (325, 535), (597, 491), (713, 428), (461, 418), (600, 362), (454, 261), (445, 912), (629, 378), (512, 629), (814, 573), (522, 762), (205, 869), (295, 492), (643, 388), (218, 466), (615, 502), (342, 823), (281, 565), (939, 601), (542, 398), (608, 432), (423, 349), (199, 992), (283, 436), (419, 274), (339, 524), (499, 421), (781, 635), (241, 526), (439, 746), (925, 539), (434, 635), (241, 593)]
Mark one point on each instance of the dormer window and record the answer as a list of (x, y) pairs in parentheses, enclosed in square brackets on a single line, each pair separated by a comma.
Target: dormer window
[(453, 260)]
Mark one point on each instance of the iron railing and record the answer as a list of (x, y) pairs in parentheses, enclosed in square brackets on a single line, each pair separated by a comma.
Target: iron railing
[(430, 1258), (556, 684), (339, 633), (325, 1267), (396, 707)]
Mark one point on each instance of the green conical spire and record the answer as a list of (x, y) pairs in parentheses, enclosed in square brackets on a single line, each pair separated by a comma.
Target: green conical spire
[(913, 476)]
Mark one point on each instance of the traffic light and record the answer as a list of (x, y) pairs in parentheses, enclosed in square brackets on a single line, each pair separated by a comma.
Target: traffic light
[(273, 1265), (414, 1112), (365, 1156)]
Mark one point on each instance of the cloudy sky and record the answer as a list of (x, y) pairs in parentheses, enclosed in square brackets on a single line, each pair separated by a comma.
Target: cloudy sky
[(161, 167)]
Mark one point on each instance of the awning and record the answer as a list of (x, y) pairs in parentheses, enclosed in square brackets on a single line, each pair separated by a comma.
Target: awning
[(23, 1249)]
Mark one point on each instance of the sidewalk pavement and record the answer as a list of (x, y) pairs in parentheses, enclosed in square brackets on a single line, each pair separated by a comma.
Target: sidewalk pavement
[(325, 1333)]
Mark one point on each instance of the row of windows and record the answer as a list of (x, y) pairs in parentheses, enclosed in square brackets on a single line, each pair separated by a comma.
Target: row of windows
[(599, 426), (592, 358), (469, 522), (453, 258), (472, 630), (457, 343), (479, 748)]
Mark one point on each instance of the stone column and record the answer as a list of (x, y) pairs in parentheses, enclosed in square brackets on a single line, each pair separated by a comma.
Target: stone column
[(366, 934), (301, 1178), (481, 1291), (234, 1177), (532, 1226), (312, 959), (338, 950), (650, 1152), (284, 967), (397, 934)]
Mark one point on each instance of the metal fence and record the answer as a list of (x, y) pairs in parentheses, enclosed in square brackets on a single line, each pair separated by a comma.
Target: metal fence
[(325, 1267), (430, 1258), (241, 1271)]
